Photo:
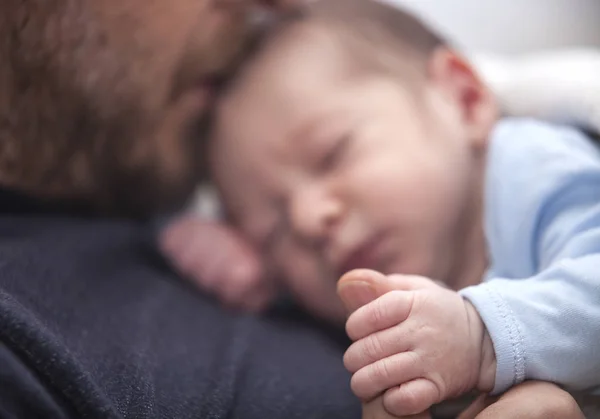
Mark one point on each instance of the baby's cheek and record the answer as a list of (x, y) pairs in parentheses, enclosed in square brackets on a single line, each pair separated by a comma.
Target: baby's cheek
[(310, 285)]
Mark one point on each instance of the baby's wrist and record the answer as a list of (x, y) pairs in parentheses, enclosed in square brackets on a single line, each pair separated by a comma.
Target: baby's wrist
[(486, 376), (487, 369)]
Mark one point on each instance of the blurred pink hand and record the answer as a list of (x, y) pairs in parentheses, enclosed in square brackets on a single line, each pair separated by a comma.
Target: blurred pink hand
[(217, 259)]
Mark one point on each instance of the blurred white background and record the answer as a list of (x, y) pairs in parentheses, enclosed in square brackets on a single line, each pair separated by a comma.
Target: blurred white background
[(513, 26)]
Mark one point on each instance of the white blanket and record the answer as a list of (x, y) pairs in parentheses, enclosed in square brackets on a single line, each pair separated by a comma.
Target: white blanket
[(560, 86)]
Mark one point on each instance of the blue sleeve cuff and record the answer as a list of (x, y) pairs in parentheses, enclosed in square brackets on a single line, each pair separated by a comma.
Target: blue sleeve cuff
[(504, 331)]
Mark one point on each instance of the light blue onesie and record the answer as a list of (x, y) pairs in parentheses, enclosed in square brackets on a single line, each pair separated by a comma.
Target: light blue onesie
[(541, 298)]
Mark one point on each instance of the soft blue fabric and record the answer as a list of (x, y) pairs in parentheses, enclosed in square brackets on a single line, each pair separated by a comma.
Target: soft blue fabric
[(541, 298)]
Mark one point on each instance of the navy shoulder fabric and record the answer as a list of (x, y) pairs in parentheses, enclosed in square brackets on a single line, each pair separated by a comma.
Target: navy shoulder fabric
[(93, 324)]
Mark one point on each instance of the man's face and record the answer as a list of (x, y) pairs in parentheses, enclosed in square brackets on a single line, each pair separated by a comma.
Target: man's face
[(171, 51), (328, 173), (118, 92)]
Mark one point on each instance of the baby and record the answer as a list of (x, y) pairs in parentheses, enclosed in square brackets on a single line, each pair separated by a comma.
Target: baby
[(358, 143)]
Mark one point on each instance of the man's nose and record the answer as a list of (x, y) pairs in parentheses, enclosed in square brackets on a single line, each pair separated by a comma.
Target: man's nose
[(314, 214)]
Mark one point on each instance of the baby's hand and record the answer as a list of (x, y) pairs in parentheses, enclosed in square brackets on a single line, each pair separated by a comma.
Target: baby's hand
[(219, 261), (418, 343)]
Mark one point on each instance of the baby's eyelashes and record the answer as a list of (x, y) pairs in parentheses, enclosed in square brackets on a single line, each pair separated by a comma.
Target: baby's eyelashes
[(334, 154)]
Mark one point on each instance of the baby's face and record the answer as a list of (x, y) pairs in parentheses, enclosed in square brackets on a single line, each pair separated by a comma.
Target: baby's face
[(327, 173)]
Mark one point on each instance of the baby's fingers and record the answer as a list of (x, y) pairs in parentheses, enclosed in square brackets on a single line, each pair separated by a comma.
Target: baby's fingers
[(411, 398), (375, 410), (375, 347), (386, 311), (210, 254), (374, 379)]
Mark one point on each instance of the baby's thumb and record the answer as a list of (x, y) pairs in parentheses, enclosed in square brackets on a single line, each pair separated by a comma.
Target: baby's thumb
[(360, 287), (375, 410)]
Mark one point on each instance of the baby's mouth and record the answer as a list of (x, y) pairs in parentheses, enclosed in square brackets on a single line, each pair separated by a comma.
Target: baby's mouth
[(366, 255)]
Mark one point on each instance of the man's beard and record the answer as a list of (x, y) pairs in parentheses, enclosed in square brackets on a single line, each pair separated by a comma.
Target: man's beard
[(143, 191)]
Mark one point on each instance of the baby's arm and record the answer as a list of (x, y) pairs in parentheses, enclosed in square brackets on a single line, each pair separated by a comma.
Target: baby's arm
[(547, 327)]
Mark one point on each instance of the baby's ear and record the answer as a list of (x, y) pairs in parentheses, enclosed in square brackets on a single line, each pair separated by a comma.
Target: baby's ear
[(474, 100)]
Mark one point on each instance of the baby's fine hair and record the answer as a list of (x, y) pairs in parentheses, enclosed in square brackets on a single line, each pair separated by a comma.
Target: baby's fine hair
[(376, 36)]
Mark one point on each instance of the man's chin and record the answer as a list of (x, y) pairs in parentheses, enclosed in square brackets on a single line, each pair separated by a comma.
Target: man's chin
[(145, 195), (161, 202), (161, 185)]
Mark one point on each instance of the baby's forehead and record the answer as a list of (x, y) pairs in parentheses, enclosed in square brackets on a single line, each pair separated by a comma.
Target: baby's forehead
[(296, 68), (294, 55)]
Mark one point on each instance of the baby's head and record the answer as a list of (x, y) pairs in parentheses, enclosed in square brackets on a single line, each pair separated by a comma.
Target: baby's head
[(355, 137)]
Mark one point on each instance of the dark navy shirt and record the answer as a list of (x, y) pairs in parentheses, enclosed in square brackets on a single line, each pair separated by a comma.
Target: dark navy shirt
[(93, 324)]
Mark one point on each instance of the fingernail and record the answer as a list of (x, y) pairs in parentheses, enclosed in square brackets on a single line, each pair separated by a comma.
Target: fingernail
[(355, 294)]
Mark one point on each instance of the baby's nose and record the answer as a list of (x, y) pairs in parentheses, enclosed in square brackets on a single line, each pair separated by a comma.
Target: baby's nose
[(314, 215)]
